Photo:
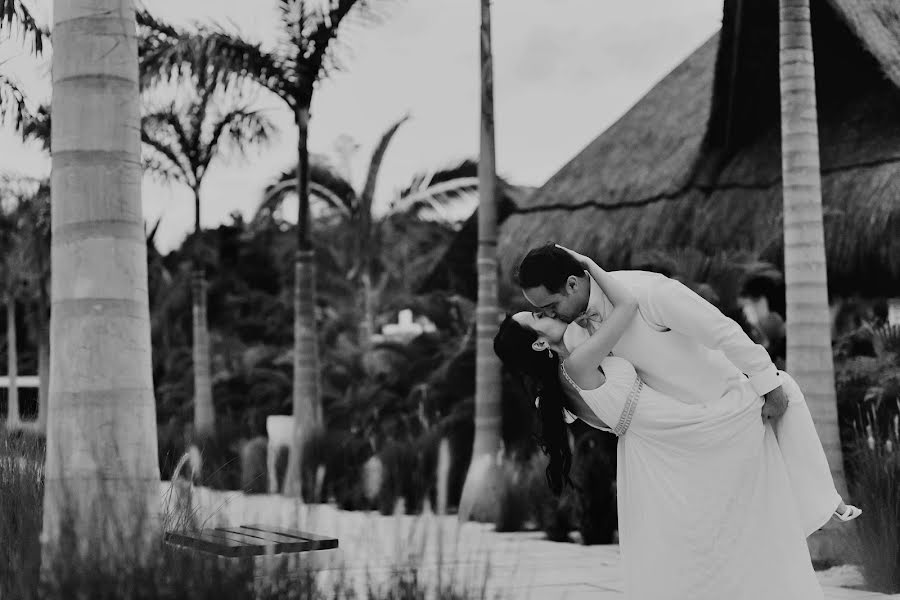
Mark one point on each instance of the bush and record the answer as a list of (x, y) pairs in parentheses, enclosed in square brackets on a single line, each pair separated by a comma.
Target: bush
[(527, 502), (514, 510), (21, 497), (343, 455), (554, 515), (254, 466), (594, 472), (866, 387), (402, 477), (875, 485)]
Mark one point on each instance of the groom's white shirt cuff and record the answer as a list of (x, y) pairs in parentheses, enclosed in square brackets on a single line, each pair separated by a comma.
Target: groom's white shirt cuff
[(766, 381)]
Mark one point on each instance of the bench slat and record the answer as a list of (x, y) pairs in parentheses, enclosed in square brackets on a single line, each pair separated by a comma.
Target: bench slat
[(250, 540), (213, 544), (266, 536), (321, 542)]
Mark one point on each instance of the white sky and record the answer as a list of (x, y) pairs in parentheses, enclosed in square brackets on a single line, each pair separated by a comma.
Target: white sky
[(564, 70)]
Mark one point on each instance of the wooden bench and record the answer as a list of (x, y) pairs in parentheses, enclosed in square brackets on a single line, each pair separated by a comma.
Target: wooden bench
[(250, 540)]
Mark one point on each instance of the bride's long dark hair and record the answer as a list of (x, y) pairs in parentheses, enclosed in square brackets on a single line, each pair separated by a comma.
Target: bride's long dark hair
[(539, 373)]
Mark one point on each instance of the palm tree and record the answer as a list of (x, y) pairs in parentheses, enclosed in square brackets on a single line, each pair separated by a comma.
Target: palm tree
[(427, 192), (102, 470), (809, 355), (11, 280), (290, 72), (479, 494), (182, 141)]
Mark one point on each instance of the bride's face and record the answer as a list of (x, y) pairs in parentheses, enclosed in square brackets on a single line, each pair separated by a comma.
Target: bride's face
[(549, 331)]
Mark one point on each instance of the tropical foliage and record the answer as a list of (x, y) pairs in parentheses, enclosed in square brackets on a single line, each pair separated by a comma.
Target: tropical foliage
[(304, 53), (181, 140)]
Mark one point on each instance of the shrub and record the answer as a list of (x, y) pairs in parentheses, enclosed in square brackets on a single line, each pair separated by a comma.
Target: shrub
[(21, 497), (594, 472), (254, 465), (875, 485), (342, 454), (401, 477), (514, 510), (527, 502)]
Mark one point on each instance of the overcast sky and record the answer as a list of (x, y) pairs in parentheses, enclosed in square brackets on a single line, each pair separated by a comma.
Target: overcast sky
[(564, 71)]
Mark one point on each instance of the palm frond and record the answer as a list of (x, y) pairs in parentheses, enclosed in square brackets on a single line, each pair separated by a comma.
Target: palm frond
[(163, 134), (322, 55), (162, 169), (12, 102), (36, 126), (449, 201), (213, 54), (151, 236), (325, 185), (148, 25), (242, 127), (375, 163), (14, 14)]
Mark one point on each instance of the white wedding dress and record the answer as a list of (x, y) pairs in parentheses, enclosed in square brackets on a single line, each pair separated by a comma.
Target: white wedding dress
[(705, 504)]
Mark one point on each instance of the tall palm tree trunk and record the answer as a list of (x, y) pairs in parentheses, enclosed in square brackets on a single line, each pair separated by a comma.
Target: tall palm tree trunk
[(43, 374), (367, 327), (307, 411), (13, 421), (101, 496), (809, 357), (204, 412), (479, 492)]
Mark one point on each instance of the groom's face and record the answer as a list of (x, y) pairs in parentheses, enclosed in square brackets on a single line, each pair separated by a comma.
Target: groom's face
[(566, 304)]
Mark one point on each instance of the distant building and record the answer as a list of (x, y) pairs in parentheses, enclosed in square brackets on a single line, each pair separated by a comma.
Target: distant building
[(27, 385)]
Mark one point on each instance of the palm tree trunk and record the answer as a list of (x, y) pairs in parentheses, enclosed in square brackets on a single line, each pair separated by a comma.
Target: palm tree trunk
[(43, 373), (13, 421), (809, 357), (204, 411), (102, 470), (480, 495), (307, 411), (367, 327)]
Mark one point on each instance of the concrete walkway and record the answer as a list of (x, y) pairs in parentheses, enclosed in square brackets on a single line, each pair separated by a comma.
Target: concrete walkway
[(373, 548), (526, 566)]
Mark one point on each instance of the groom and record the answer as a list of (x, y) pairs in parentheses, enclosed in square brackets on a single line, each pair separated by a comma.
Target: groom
[(679, 343)]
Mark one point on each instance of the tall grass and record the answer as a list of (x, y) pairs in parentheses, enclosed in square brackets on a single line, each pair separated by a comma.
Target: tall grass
[(875, 486), (21, 494), (167, 572)]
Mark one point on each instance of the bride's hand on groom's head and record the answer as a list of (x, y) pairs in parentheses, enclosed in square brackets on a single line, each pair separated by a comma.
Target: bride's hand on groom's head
[(582, 260)]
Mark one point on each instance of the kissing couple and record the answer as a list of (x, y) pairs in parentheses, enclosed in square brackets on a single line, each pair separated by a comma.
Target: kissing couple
[(721, 475)]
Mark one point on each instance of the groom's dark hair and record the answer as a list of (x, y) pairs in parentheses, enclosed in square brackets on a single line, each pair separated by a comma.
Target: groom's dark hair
[(548, 266)]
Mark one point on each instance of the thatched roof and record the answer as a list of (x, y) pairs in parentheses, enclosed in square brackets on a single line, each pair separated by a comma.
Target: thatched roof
[(697, 163)]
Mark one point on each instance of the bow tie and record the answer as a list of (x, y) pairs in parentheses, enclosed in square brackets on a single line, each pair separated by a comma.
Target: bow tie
[(589, 319)]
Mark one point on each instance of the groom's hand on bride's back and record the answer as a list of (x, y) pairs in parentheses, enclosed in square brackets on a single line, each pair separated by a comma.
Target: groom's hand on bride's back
[(776, 404)]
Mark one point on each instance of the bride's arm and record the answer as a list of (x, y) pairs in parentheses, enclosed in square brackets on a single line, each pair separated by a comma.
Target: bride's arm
[(585, 359)]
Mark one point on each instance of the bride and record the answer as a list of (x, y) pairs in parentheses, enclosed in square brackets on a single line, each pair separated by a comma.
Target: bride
[(705, 505)]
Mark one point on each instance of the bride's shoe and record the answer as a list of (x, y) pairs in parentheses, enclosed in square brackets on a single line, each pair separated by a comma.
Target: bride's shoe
[(850, 512)]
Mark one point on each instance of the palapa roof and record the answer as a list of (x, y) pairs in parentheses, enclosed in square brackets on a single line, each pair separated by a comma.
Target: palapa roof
[(697, 162)]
